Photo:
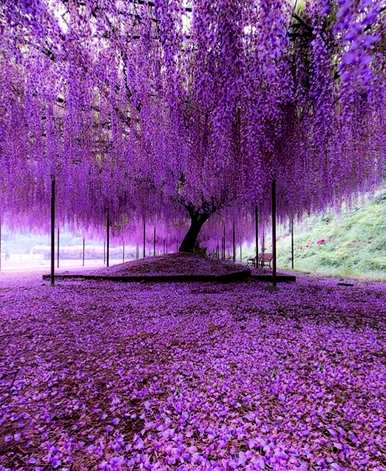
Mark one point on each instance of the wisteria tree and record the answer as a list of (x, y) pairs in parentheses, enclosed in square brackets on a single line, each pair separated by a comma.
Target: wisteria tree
[(157, 107)]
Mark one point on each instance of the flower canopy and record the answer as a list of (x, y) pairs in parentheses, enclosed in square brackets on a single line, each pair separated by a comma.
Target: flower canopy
[(154, 107)]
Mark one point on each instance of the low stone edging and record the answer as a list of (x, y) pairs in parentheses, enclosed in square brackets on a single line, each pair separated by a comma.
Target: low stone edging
[(224, 278)]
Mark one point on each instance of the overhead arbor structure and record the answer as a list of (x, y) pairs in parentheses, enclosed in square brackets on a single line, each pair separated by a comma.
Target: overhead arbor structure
[(170, 109)]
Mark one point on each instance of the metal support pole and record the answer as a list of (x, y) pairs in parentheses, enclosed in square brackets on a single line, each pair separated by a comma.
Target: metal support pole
[(154, 237), (274, 233), (257, 236), (0, 243), (57, 249), (123, 252), (292, 244), (137, 252), (223, 243), (234, 242), (53, 204), (108, 239), (104, 252), (83, 251), (144, 238)]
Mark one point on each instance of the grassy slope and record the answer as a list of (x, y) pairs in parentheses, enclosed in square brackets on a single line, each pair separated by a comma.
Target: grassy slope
[(355, 242)]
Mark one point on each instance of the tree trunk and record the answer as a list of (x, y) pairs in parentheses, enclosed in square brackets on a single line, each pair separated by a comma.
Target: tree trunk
[(197, 220)]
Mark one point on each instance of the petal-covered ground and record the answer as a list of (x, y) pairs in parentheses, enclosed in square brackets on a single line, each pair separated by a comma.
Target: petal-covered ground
[(96, 375)]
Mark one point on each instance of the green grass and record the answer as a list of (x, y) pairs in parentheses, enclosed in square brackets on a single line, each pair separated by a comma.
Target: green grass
[(355, 242)]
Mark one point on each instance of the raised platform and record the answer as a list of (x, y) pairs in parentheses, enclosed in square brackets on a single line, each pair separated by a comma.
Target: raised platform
[(226, 278), (172, 268)]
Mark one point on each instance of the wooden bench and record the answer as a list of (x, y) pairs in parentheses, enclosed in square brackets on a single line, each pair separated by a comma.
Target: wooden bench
[(265, 259)]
